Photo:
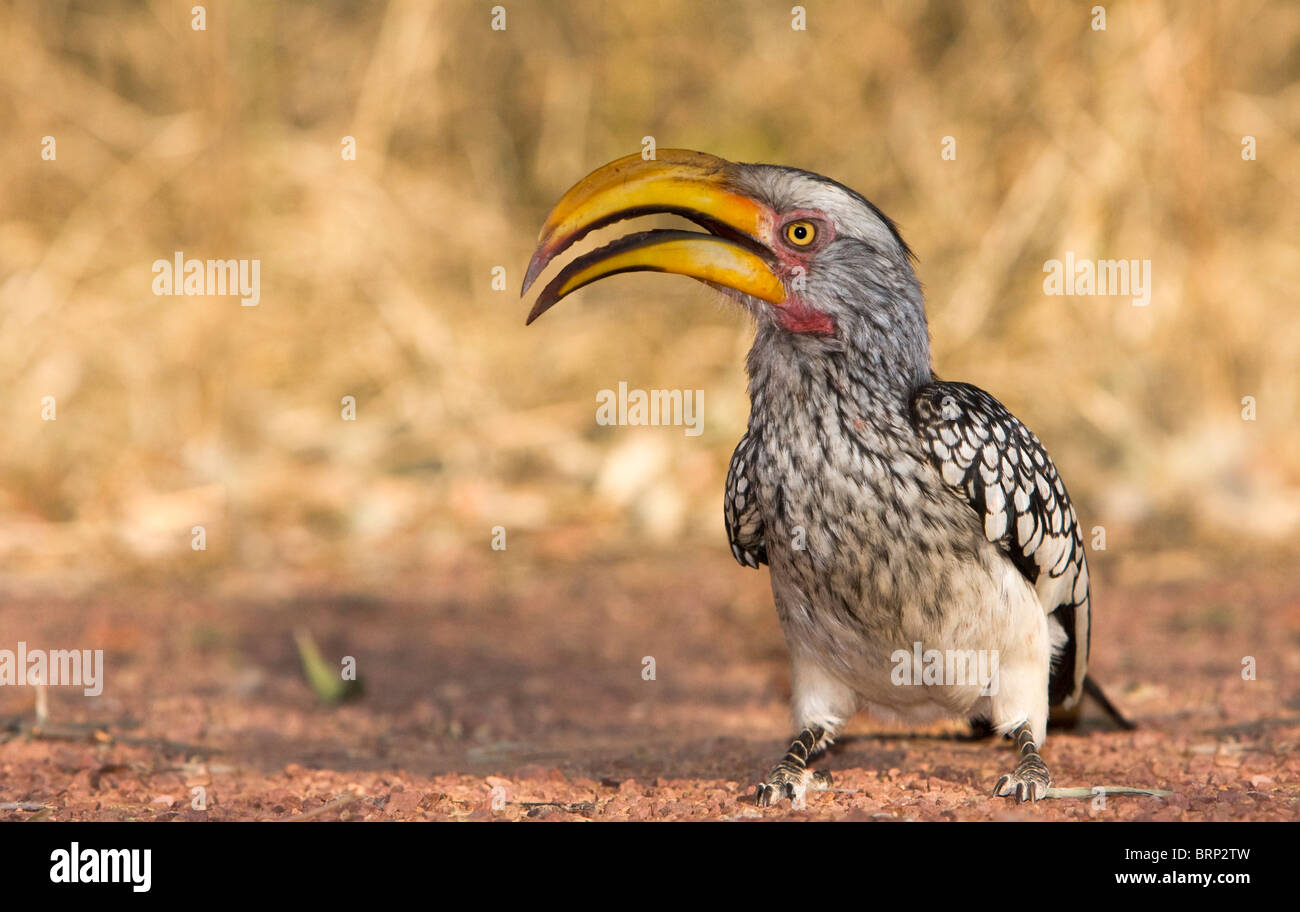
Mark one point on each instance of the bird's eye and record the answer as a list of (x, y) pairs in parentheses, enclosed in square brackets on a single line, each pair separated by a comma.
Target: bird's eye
[(800, 233)]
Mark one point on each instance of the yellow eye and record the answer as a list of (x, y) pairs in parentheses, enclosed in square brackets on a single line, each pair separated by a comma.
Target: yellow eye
[(800, 233)]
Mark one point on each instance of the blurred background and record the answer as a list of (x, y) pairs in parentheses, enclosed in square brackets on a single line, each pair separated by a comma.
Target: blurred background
[(377, 274)]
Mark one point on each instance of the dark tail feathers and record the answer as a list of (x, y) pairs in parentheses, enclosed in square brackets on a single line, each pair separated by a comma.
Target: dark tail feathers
[(1093, 689)]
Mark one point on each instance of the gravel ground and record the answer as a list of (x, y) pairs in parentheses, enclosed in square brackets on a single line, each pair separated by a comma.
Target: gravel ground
[(505, 694)]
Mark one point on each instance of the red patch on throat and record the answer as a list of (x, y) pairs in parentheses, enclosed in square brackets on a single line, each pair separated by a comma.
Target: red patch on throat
[(798, 317)]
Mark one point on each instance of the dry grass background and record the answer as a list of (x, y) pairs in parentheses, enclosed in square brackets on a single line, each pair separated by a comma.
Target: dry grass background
[(376, 274)]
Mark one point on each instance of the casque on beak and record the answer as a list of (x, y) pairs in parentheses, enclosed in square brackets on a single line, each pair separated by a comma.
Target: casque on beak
[(690, 184)]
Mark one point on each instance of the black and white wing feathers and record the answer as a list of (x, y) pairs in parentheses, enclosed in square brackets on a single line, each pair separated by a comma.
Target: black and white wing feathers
[(740, 509), (985, 454)]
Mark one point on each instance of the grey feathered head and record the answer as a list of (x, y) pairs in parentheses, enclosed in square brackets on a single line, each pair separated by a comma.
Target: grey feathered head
[(821, 269)]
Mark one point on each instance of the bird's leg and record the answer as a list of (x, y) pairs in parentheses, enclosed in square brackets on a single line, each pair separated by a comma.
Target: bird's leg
[(791, 778), (820, 703), (1030, 780), (1018, 705)]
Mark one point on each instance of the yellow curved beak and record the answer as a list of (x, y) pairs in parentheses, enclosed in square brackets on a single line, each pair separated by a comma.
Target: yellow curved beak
[(690, 184)]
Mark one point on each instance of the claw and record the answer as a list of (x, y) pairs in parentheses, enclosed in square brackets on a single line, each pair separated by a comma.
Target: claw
[(1029, 782), (785, 783)]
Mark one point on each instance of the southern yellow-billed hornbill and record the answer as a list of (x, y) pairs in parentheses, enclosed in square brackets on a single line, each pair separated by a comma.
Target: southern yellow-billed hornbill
[(893, 508)]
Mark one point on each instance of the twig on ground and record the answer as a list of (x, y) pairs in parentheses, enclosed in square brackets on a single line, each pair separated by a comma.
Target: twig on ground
[(339, 802), (1092, 791)]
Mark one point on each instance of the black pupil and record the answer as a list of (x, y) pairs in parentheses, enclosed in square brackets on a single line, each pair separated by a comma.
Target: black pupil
[(800, 232)]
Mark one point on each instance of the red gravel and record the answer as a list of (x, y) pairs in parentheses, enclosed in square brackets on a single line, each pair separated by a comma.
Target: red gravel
[(492, 695)]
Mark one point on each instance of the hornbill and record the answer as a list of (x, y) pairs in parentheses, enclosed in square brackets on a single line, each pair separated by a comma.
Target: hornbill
[(897, 512)]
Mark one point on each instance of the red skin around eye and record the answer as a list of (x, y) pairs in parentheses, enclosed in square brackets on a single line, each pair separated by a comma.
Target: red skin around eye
[(793, 313)]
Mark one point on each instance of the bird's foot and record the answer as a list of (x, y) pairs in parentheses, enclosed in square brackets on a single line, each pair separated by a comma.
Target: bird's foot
[(1030, 780), (790, 783), (791, 778)]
